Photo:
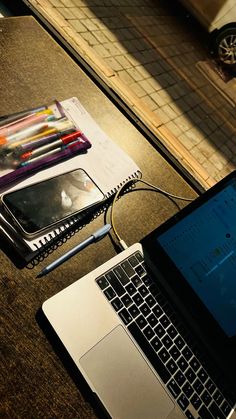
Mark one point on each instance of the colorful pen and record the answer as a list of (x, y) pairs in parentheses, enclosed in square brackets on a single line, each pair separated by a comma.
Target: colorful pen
[(65, 124), (25, 123), (34, 129), (43, 163), (47, 139), (13, 117), (51, 152), (64, 140)]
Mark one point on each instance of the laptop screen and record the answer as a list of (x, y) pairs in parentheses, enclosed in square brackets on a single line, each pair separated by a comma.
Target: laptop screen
[(202, 245)]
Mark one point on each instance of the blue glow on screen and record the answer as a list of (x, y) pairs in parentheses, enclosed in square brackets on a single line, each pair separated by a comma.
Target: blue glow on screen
[(203, 248)]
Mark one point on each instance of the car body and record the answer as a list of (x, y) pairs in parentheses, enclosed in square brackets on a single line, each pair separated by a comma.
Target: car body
[(219, 18)]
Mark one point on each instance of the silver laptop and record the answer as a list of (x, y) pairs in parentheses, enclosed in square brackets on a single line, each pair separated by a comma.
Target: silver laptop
[(153, 330)]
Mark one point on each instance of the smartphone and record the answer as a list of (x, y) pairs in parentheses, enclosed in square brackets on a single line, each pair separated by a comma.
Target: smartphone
[(41, 206)]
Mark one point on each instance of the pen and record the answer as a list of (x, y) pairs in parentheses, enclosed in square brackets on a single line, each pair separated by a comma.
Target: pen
[(50, 152), (98, 235), (13, 117), (42, 134), (50, 130), (34, 129), (26, 122), (47, 139), (43, 163), (54, 144)]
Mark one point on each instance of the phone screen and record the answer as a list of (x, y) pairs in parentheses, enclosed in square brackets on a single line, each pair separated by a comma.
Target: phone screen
[(39, 206)]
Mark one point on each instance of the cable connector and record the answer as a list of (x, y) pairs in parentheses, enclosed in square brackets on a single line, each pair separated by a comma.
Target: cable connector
[(122, 245)]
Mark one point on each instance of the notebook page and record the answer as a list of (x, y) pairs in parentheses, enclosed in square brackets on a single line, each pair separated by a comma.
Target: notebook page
[(107, 163)]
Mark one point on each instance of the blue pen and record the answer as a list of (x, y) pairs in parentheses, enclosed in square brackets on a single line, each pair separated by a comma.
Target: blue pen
[(98, 235)]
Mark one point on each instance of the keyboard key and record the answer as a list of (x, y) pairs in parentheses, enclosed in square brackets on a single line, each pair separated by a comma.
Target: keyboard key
[(196, 401), (157, 310), (198, 387), (187, 353), (183, 402), (150, 300), (190, 375), (172, 331), (180, 378), (173, 388), (125, 316), (206, 398), (109, 293), (139, 256), (164, 355), (171, 365), (182, 364), (115, 283), (143, 291), (126, 300), (110, 276), (217, 396), (148, 332), (147, 280), (133, 261), (152, 320), (136, 281), (210, 386), (149, 352), (129, 270), (205, 414), (189, 414), (134, 311), (140, 270), (138, 299), (226, 409), (164, 321), (202, 374), (117, 304), (159, 331), (167, 342), (130, 288), (102, 282), (175, 353), (121, 275), (145, 309), (216, 412), (156, 344), (188, 390), (194, 364), (141, 321), (179, 342)]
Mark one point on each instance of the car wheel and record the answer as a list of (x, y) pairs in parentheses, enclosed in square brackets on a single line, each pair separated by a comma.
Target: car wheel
[(225, 46)]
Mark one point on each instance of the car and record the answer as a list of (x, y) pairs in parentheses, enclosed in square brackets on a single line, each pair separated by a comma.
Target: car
[(219, 18)]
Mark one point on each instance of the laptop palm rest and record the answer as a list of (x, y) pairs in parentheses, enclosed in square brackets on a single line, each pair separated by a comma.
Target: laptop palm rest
[(127, 386)]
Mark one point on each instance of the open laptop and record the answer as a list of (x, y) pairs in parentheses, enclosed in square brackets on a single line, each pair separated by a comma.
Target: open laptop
[(153, 330)]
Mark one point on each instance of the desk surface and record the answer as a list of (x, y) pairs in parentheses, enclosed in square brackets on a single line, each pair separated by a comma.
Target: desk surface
[(35, 70)]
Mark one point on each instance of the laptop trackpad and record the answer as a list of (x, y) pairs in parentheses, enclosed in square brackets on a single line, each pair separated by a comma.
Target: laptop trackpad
[(123, 380)]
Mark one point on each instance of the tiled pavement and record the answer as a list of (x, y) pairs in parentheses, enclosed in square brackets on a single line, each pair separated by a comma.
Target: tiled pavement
[(149, 53)]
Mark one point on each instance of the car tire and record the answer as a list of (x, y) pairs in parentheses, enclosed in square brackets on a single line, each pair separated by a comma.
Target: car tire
[(225, 46)]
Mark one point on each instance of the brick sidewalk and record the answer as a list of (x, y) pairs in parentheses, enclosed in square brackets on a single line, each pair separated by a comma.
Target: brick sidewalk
[(150, 57)]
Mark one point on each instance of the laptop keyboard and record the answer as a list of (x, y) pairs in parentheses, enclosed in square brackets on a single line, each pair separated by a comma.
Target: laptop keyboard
[(151, 321)]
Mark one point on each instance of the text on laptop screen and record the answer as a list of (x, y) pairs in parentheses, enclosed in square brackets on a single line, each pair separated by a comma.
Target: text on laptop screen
[(203, 247)]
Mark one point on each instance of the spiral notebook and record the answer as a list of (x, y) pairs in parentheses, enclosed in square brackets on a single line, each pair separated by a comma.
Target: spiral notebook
[(105, 162)]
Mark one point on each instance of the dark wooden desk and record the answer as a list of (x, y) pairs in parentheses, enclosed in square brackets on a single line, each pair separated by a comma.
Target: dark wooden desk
[(35, 70)]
